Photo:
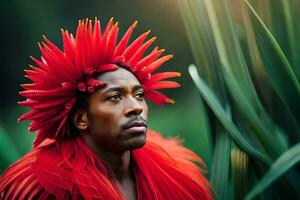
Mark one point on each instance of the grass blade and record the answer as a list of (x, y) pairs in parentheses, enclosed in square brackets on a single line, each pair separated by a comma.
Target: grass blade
[(276, 46), (278, 168), (224, 118), (220, 165)]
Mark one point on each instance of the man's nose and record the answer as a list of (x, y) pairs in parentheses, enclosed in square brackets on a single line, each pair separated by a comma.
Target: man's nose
[(133, 107)]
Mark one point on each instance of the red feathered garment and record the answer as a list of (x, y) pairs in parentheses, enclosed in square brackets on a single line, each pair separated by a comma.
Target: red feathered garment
[(163, 170)]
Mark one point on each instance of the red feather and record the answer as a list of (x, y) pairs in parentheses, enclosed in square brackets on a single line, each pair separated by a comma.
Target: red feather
[(156, 64), (150, 58), (158, 97), (140, 52), (161, 85), (123, 43), (135, 45), (111, 41), (163, 75)]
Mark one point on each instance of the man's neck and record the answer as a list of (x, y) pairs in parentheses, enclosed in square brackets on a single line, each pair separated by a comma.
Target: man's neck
[(119, 169), (117, 163)]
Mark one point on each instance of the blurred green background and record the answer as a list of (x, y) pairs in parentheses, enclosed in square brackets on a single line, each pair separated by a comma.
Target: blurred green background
[(23, 23), (245, 122)]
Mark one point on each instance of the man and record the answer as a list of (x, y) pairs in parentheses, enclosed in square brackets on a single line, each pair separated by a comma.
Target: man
[(88, 108)]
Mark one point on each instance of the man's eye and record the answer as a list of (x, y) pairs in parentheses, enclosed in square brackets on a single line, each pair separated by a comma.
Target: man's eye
[(140, 95), (115, 98)]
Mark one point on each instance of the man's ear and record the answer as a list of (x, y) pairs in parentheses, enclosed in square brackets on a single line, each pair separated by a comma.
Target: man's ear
[(80, 119)]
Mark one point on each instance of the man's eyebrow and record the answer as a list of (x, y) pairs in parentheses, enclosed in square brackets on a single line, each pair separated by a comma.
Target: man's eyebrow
[(120, 89), (137, 87)]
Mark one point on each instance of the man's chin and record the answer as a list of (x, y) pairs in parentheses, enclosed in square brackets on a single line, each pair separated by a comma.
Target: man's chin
[(135, 143)]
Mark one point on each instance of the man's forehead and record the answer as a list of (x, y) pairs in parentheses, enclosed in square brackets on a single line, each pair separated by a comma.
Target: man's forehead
[(119, 78)]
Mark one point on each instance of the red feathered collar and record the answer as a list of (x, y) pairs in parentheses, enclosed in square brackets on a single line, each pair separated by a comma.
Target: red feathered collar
[(163, 170)]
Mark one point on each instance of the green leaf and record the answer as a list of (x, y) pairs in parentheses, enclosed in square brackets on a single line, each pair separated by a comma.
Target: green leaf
[(253, 117), (236, 74), (220, 165), (228, 47), (278, 168), (277, 48), (290, 30), (200, 35), (204, 134), (278, 70), (224, 118)]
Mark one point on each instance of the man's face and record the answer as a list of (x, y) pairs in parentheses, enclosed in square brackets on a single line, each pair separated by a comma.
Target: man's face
[(118, 112)]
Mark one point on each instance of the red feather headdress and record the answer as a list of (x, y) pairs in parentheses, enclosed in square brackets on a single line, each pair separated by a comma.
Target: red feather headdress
[(60, 75)]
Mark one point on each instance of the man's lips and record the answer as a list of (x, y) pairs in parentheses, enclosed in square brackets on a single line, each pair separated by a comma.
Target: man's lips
[(136, 127)]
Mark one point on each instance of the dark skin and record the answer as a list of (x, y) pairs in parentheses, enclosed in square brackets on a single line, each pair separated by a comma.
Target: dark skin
[(114, 124)]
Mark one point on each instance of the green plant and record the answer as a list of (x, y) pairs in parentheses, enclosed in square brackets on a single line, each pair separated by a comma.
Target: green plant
[(246, 53)]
